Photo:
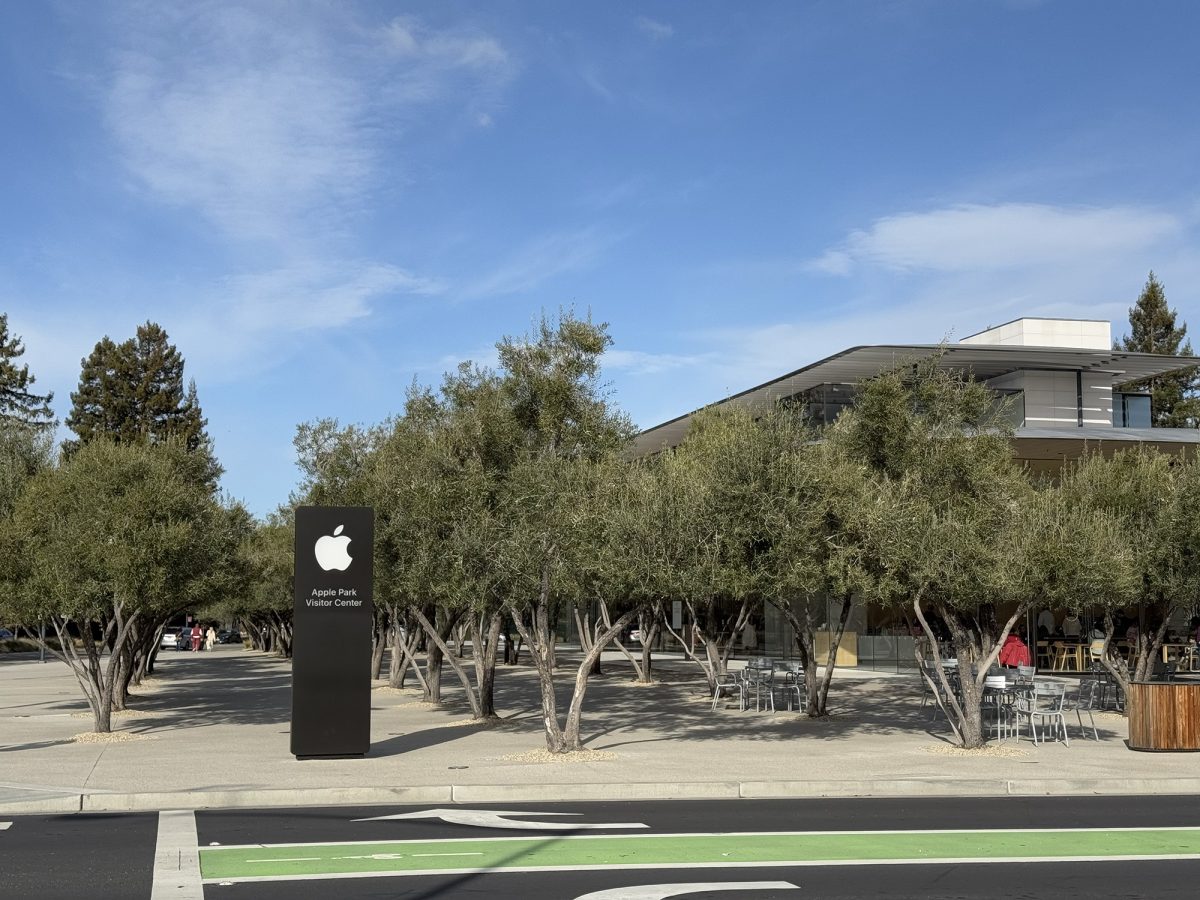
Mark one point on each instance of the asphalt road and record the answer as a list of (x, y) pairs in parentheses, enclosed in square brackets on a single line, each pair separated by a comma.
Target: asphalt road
[(888, 848)]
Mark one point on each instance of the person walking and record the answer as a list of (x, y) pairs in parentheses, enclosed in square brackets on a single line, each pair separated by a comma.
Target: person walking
[(210, 638), (197, 636)]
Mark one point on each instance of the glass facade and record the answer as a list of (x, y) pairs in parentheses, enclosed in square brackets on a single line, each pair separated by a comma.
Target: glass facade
[(824, 403), (1130, 410)]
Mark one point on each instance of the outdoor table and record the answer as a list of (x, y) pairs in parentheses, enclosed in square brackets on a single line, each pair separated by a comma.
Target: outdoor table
[(758, 678), (1179, 651), (1164, 715), (1000, 699)]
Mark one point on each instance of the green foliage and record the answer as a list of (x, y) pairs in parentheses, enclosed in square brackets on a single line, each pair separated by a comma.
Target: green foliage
[(18, 404), (1152, 499), (269, 553), (1152, 329), (25, 450), (333, 462), (134, 392), (551, 380), (131, 525)]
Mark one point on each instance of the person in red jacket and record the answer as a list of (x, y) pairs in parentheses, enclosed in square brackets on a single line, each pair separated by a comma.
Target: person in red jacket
[(1015, 652)]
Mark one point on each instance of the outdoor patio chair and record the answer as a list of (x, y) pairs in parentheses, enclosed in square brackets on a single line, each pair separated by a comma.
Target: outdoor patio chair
[(759, 681), (1025, 676), (729, 685), (1085, 701), (1044, 659), (936, 693), (1044, 706), (788, 679)]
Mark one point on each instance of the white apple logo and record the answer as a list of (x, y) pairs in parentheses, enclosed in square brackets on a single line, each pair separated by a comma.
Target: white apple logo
[(331, 551)]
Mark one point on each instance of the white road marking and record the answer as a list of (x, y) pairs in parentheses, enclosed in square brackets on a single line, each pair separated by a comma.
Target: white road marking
[(495, 818), (693, 834), (4, 826), (662, 891), (177, 857), (769, 864)]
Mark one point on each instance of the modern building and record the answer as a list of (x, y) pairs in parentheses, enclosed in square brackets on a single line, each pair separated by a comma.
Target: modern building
[(1067, 391)]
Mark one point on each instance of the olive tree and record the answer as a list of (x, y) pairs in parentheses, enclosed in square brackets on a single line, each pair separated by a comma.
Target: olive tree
[(100, 542), (1152, 498), (551, 499)]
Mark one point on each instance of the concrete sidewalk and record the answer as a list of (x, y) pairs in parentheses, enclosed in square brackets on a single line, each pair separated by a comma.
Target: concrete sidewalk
[(212, 731)]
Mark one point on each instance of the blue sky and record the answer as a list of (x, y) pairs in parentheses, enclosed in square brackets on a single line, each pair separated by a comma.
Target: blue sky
[(321, 202)]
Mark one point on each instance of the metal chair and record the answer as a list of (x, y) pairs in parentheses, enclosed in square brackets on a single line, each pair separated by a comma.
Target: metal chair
[(1043, 705), (788, 678), (759, 680), (1084, 701), (729, 685), (934, 689)]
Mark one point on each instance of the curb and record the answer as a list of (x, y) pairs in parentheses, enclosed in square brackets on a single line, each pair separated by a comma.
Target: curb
[(549, 793)]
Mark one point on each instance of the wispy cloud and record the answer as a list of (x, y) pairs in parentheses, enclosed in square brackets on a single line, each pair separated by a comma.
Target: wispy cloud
[(266, 130), (638, 362), (539, 261), (313, 295), (653, 29), (983, 238)]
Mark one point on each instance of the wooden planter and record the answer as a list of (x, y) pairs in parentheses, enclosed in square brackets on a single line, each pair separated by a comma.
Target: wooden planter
[(1164, 715)]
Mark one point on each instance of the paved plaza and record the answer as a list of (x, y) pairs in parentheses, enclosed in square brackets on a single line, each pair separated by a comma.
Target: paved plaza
[(211, 730)]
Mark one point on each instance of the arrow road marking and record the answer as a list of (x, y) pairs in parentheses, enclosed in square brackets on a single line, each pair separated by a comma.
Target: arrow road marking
[(496, 818), (661, 891)]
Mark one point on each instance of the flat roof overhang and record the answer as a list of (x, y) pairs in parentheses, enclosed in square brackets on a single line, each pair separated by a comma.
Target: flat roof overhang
[(1060, 444), (984, 361)]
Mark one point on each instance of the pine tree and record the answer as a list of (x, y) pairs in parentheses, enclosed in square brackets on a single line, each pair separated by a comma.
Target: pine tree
[(1152, 329), (17, 403), (133, 392)]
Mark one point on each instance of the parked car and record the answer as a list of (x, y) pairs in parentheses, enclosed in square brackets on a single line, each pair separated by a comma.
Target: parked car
[(169, 640), (229, 636), (6, 635), (183, 641)]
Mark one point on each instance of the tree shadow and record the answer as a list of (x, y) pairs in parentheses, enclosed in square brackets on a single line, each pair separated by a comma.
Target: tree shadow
[(251, 688), (35, 745)]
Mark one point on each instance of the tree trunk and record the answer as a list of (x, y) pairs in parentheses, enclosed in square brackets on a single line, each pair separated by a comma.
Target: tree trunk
[(977, 652), (716, 647), (571, 730), (1149, 646), (537, 636), (804, 634), (835, 641), (641, 670), (485, 643), (649, 628), (1116, 666), (438, 639), (97, 676), (404, 652), (379, 635), (443, 625), (121, 677)]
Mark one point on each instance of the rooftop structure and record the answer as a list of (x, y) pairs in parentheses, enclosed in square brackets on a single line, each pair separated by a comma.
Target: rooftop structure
[(1065, 379)]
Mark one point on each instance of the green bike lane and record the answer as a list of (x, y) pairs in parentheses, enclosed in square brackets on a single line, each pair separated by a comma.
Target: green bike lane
[(277, 862)]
